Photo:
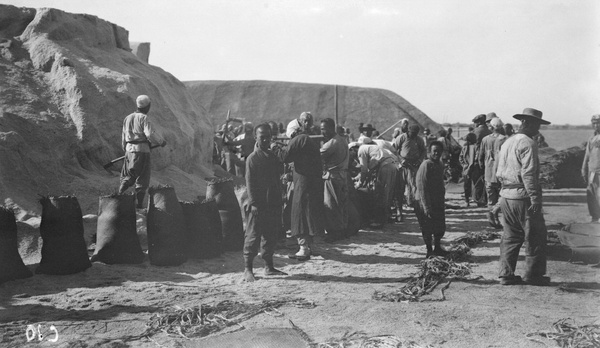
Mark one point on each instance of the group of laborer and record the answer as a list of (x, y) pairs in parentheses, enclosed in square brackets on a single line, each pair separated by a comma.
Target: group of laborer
[(400, 170)]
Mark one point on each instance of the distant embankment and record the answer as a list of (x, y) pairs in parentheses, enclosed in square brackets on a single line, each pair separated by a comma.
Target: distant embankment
[(259, 101)]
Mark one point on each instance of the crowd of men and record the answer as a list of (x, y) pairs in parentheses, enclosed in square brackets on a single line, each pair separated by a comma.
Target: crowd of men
[(301, 178)]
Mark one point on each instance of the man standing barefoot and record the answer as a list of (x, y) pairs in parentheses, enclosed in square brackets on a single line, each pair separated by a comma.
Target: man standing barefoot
[(430, 205), (263, 170)]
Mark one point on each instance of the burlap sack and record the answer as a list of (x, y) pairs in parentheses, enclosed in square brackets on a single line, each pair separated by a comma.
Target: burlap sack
[(203, 229), (222, 191), (166, 228), (11, 264), (63, 249), (116, 238)]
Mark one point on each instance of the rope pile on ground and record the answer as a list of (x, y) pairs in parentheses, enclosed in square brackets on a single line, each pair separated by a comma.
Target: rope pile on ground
[(203, 320), (471, 239), (432, 272), (361, 340), (568, 335)]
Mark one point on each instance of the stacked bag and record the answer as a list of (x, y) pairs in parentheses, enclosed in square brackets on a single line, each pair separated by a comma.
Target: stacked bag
[(12, 266), (116, 237)]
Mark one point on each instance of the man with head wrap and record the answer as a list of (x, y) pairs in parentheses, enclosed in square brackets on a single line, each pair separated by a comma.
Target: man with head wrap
[(487, 160), (136, 137), (302, 124), (412, 151)]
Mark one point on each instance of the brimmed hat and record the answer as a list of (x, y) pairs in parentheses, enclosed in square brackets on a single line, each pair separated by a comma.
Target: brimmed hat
[(531, 114), (479, 118), (490, 116), (367, 127), (595, 118)]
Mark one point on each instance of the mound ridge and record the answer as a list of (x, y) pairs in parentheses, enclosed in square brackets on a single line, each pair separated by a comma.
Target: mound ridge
[(259, 101)]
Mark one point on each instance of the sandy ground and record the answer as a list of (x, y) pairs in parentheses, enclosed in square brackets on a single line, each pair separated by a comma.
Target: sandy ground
[(109, 305)]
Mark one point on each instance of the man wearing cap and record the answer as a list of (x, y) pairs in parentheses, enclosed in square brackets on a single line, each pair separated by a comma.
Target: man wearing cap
[(477, 175), (521, 203), (136, 138), (380, 164), (590, 171), (487, 161), (412, 151), (302, 124), (335, 155)]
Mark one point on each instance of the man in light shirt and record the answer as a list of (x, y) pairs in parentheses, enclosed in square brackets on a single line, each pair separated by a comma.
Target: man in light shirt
[(521, 203), (136, 139), (590, 170)]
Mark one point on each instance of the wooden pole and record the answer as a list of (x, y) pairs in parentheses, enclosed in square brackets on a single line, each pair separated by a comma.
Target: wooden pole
[(336, 106)]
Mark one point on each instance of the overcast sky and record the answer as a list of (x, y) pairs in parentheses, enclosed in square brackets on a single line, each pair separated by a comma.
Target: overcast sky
[(453, 59)]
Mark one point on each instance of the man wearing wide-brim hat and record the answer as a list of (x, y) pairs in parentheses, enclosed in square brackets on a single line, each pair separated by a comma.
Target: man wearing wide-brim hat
[(365, 132), (590, 170), (521, 204)]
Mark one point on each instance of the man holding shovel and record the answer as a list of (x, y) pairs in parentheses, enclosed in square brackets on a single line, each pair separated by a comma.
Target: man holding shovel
[(136, 139)]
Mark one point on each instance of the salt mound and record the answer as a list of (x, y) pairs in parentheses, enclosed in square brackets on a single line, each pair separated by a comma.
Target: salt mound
[(68, 81), (260, 101)]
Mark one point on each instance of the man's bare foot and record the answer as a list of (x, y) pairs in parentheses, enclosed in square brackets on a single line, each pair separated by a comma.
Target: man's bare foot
[(273, 271), (249, 276)]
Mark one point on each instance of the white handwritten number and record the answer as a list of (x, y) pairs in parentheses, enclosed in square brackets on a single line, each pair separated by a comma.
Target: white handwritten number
[(30, 328), (52, 328), (31, 331)]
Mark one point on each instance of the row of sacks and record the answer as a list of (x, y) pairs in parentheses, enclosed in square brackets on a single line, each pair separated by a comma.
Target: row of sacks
[(176, 231)]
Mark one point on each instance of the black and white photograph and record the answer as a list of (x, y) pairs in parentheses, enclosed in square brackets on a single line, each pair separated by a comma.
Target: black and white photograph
[(287, 173)]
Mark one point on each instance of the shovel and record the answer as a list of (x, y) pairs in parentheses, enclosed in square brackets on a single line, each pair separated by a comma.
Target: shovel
[(109, 164)]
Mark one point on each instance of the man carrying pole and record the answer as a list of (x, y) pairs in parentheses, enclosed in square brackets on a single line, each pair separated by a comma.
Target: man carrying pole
[(136, 138)]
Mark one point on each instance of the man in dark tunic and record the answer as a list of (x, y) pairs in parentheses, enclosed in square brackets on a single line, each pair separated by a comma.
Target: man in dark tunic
[(335, 155), (307, 200), (477, 175), (264, 203), (430, 207)]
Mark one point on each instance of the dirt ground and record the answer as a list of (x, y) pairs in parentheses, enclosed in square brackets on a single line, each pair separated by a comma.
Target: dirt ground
[(109, 305)]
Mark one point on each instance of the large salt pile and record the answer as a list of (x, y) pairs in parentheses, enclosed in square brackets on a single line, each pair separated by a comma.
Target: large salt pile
[(68, 80), (260, 101)]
